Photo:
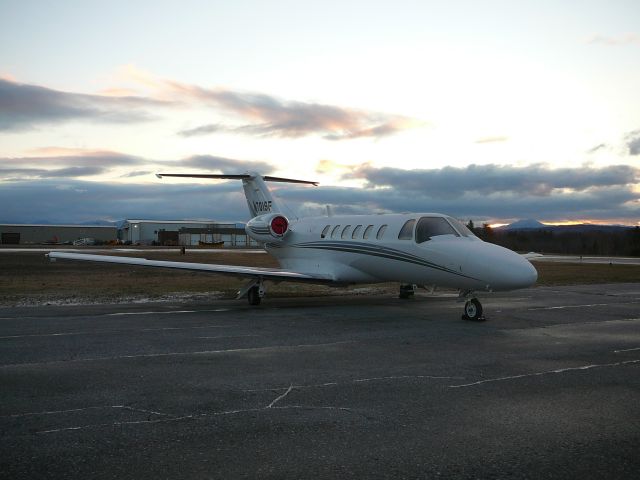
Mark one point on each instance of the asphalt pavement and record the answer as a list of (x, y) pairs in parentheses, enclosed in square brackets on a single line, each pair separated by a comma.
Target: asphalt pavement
[(335, 387)]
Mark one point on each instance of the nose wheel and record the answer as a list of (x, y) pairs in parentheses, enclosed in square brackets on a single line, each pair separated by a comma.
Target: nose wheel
[(473, 311)]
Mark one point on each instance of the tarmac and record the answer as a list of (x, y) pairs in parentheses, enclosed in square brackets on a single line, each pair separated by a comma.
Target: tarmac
[(341, 387)]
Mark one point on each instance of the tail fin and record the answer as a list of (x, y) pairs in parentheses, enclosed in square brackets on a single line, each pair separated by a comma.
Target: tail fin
[(259, 198)]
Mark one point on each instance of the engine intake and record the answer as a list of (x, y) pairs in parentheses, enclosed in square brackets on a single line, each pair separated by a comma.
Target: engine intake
[(267, 228), (279, 226)]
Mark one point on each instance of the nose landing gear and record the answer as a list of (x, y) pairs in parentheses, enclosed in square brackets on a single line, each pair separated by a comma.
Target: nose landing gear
[(472, 307), (473, 311)]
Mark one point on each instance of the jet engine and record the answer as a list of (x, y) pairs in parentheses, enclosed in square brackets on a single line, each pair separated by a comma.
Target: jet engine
[(268, 228)]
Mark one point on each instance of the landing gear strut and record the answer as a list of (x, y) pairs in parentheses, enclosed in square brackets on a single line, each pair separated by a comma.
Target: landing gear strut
[(253, 295), (472, 306), (407, 291), (254, 291)]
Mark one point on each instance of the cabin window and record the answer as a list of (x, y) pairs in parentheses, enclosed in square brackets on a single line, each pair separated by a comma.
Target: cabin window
[(325, 230), (367, 232), (334, 232), (431, 227), (381, 231), (406, 232), (356, 231), (345, 232)]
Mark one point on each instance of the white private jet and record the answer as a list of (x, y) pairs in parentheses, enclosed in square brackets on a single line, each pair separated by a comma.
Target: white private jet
[(416, 249)]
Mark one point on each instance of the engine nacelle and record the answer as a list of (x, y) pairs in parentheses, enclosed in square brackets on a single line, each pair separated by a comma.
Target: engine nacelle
[(268, 228)]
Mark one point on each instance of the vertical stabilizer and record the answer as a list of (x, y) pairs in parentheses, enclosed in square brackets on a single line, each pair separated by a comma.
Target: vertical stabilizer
[(259, 198)]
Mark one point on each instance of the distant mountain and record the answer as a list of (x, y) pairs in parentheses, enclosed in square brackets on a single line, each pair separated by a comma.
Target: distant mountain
[(49, 222), (525, 224), (99, 222), (532, 224)]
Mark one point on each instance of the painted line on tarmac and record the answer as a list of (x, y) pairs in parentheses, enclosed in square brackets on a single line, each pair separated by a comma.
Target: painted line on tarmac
[(102, 332), (84, 409), (231, 336), (548, 372), (176, 354), (164, 312), (586, 305), (627, 350), (120, 314)]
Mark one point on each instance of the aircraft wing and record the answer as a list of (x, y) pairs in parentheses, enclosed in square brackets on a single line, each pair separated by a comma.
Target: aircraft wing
[(275, 274)]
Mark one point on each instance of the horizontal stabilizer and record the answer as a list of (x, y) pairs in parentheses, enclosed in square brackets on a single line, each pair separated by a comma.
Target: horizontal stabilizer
[(234, 177)]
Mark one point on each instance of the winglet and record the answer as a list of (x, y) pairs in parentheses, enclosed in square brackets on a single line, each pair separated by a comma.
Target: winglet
[(159, 175)]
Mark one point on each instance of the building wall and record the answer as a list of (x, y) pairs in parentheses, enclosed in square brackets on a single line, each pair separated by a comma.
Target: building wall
[(190, 233), (59, 233), (232, 237), (146, 231)]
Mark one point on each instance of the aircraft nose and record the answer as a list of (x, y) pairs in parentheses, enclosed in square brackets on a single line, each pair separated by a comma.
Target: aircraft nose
[(522, 274), (507, 270)]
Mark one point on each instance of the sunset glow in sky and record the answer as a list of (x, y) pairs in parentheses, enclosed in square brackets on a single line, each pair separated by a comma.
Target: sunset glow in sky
[(491, 111)]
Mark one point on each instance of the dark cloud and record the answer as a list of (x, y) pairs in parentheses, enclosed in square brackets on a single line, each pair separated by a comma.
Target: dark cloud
[(92, 163), (597, 204), (77, 201), (269, 116), (202, 130), (602, 146), (633, 142), (70, 172), (535, 180), (24, 106), (78, 159), (81, 164), (597, 194), (137, 173)]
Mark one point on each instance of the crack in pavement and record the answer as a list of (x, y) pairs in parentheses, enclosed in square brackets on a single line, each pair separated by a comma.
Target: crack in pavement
[(280, 397), (200, 416), (357, 380)]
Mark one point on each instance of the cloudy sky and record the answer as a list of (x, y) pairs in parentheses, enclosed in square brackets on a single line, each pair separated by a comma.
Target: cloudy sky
[(492, 110)]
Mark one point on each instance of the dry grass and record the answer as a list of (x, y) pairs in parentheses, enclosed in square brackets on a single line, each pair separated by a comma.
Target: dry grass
[(552, 273), (29, 278)]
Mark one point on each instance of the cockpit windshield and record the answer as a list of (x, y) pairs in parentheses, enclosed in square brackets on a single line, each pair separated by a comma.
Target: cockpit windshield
[(431, 227), (461, 227)]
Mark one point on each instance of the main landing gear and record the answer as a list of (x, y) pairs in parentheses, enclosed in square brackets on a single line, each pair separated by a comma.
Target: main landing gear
[(472, 307), (253, 296), (254, 291), (407, 291)]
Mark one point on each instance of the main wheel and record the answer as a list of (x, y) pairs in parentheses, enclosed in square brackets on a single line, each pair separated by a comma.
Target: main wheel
[(253, 296), (473, 310)]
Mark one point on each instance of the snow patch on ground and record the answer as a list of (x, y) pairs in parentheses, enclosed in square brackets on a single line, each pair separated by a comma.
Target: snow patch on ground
[(136, 299)]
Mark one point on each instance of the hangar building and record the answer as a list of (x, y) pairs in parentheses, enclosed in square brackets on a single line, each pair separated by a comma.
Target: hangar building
[(184, 232), (21, 234)]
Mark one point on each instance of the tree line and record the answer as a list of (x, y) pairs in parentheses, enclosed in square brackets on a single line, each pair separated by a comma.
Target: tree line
[(592, 241)]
